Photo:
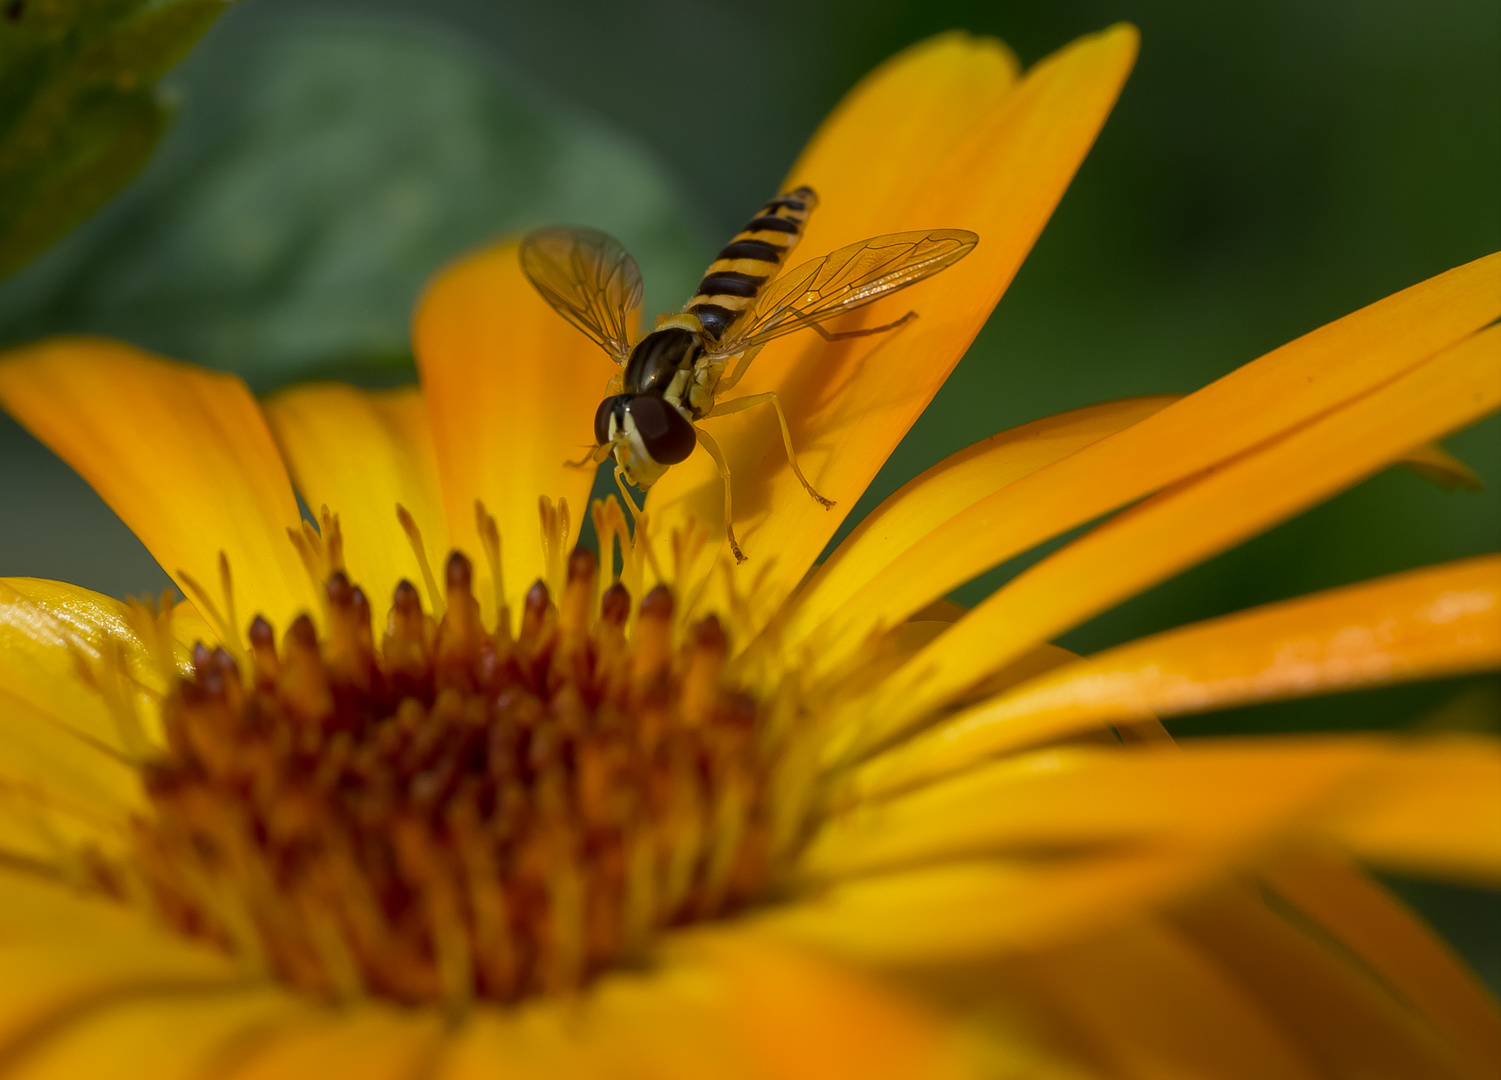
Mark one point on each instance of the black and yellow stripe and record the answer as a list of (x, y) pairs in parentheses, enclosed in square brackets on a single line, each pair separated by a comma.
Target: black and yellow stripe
[(751, 259)]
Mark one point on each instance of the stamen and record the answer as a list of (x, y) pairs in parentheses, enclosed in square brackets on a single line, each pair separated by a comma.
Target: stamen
[(333, 541), (705, 671), (414, 537), (460, 636), (109, 678), (407, 642), (265, 664), (610, 527), (206, 604), (556, 526), (489, 537), (689, 542), (350, 659), (150, 619), (227, 589), (653, 639), (322, 553), (303, 685)]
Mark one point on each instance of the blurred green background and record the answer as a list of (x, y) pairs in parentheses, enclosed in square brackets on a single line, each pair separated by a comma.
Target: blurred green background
[(1270, 167)]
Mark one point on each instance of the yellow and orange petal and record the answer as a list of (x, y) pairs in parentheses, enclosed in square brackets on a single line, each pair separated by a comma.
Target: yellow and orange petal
[(1196, 518), (850, 403), (1428, 623), (363, 453), (510, 390), (1237, 416), (1073, 877), (183, 455)]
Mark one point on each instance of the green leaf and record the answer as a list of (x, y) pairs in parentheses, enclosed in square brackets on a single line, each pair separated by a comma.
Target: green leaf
[(320, 170), (79, 112)]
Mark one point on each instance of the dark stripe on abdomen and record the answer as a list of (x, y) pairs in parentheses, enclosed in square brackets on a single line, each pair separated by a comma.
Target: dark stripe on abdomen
[(773, 224), (730, 283), (728, 291), (751, 249), (715, 319)]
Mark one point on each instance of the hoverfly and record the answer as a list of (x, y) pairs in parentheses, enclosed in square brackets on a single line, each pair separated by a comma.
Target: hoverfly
[(671, 377)]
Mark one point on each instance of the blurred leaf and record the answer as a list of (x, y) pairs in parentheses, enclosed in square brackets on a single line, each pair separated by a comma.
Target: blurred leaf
[(321, 170), (79, 112)]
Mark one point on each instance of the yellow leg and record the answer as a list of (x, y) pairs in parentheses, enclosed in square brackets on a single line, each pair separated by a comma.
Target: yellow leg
[(724, 408), (630, 503), (724, 474), (594, 457), (728, 382)]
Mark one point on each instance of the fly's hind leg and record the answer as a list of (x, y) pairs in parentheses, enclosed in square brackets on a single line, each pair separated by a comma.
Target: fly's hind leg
[(724, 408), (724, 474)]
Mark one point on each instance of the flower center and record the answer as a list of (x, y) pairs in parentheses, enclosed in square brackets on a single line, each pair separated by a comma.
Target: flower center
[(449, 812)]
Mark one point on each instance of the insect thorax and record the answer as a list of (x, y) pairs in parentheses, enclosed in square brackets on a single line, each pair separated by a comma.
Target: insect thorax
[(662, 363)]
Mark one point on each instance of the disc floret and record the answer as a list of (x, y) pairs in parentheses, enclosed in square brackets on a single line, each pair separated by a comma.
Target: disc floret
[(449, 811)]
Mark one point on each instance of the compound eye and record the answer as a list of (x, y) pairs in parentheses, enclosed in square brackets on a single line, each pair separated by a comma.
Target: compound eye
[(610, 406), (665, 432)]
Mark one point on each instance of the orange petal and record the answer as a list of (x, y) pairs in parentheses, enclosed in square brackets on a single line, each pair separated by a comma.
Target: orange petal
[(1348, 1022), (511, 391), (184, 457), (1193, 520), (1151, 1004), (963, 911), (360, 453), (801, 1017), (185, 1035), (1228, 796), (1435, 812), (68, 773), (1057, 844), (849, 403), (1290, 386), (1375, 927), (65, 960), (954, 484), (895, 130), (718, 1007), (1422, 624), (370, 1041), (1433, 805)]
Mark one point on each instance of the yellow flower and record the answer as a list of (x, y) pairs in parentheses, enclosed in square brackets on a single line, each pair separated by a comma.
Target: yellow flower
[(839, 828)]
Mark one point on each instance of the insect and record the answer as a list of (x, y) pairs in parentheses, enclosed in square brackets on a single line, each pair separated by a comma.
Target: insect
[(673, 377)]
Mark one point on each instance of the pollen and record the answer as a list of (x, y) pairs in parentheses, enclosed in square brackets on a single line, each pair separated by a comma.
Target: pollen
[(441, 811)]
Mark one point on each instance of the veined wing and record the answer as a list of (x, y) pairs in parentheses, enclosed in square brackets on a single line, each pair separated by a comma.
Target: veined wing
[(589, 279), (847, 279)]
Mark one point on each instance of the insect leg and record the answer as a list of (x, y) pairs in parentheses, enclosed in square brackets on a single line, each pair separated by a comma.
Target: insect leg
[(594, 457), (629, 502), (728, 382), (724, 408), (841, 335), (724, 474)]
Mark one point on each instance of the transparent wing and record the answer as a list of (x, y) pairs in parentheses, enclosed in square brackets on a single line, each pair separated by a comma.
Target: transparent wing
[(847, 279), (589, 279)]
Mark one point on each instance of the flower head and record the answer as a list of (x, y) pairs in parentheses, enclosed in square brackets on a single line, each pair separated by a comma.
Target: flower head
[(408, 790)]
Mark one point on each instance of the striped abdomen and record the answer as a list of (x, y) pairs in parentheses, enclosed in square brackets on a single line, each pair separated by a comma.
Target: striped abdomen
[(755, 256)]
